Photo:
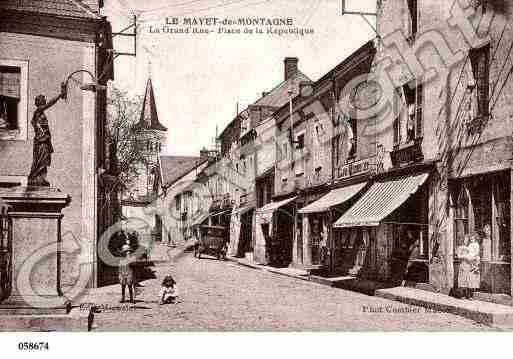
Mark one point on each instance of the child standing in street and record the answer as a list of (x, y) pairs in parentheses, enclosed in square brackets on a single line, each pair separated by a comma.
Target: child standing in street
[(168, 291), (126, 273)]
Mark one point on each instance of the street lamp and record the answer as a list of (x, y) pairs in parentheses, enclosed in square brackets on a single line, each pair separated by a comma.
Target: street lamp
[(90, 86)]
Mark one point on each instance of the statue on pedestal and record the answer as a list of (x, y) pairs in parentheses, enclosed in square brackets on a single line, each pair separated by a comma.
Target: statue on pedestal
[(43, 149)]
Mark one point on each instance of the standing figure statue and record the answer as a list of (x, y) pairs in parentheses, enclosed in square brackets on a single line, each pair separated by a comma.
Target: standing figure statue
[(43, 149)]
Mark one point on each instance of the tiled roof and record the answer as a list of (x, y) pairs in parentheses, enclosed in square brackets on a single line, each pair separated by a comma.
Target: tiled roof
[(175, 167), (279, 96), (149, 119), (71, 8)]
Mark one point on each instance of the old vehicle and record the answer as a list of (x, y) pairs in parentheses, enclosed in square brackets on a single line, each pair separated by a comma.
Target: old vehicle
[(213, 240)]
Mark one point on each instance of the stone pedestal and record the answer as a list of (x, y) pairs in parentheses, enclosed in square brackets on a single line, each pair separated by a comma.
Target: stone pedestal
[(36, 217)]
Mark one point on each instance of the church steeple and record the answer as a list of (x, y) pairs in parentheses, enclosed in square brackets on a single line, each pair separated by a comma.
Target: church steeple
[(149, 119)]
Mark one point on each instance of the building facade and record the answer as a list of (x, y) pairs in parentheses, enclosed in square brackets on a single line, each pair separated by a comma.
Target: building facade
[(41, 44), (445, 142), (312, 158)]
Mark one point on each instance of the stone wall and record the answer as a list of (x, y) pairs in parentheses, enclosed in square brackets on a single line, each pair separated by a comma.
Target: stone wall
[(72, 123)]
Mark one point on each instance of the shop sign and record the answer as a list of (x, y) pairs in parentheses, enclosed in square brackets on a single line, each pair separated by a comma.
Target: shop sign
[(357, 168)]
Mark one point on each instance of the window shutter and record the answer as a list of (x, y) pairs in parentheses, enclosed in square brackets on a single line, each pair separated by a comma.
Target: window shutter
[(479, 59), (412, 7), (398, 98), (396, 131), (418, 131), (10, 82)]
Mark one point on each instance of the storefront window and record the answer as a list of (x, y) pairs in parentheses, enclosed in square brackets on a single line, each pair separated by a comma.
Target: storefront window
[(461, 216), (483, 208), (502, 219), (315, 240)]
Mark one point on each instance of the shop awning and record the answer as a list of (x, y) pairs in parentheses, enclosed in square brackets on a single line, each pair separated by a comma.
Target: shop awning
[(333, 198), (199, 221), (271, 207), (380, 201), (225, 212), (242, 210)]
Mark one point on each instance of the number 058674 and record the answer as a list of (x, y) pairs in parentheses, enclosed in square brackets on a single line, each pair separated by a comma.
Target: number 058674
[(33, 346)]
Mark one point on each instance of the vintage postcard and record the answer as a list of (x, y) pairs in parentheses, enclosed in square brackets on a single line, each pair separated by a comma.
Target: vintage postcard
[(255, 165)]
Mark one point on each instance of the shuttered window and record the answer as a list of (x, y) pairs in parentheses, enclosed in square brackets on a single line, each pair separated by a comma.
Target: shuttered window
[(479, 60), (10, 94), (418, 104), (412, 8), (413, 99)]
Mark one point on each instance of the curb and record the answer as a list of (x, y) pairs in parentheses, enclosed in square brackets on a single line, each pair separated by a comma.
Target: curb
[(265, 269), (498, 320), (497, 316)]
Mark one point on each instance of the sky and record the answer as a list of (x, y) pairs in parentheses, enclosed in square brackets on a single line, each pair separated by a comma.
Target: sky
[(200, 78)]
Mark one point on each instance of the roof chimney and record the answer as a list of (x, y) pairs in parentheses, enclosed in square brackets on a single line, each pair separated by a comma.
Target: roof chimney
[(290, 67)]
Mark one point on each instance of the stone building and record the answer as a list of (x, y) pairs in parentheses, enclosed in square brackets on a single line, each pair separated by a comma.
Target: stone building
[(323, 143), (41, 44), (181, 203), (445, 149), (252, 159)]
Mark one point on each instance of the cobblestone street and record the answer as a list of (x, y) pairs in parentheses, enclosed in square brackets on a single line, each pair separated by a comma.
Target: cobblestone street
[(217, 295)]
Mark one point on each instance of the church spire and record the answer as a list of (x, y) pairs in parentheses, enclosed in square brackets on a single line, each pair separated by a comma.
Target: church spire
[(149, 119)]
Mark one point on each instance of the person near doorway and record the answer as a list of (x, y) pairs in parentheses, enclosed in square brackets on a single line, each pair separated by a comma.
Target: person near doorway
[(469, 276), (415, 271), (399, 263), (323, 245)]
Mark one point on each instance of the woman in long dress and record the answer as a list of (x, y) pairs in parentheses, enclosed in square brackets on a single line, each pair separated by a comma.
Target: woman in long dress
[(43, 149), (469, 276)]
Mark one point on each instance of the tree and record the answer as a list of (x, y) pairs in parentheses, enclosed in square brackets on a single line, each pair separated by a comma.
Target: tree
[(126, 154)]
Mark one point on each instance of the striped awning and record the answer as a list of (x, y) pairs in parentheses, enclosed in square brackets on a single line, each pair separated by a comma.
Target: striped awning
[(333, 198), (380, 201), (242, 210), (201, 219), (271, 207)]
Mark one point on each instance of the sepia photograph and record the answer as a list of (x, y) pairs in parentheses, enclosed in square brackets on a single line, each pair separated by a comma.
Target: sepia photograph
[(255, 166)]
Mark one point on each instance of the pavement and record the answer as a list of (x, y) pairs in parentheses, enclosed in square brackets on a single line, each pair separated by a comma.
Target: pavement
[(225, 296), (497, 315)]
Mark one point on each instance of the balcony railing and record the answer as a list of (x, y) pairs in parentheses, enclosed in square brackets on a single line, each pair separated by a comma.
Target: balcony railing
[(222, 201), (5, 257)]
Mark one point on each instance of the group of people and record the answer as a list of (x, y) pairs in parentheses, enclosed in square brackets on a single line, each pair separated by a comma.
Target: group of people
[(127, 278)]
